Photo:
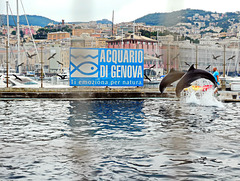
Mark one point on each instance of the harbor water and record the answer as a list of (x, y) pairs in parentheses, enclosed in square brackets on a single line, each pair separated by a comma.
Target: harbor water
[(122, 139)]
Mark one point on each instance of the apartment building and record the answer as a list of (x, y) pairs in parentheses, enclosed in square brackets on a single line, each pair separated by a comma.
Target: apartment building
[(58, 36)]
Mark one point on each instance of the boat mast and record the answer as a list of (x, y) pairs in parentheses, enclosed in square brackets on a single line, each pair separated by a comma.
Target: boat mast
[(18, 38), (112, 23), (8, 38), (8, 33), (31, 35)]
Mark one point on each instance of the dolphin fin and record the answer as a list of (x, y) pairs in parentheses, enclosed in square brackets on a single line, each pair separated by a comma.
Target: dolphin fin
[(172, 70), (191, 68)]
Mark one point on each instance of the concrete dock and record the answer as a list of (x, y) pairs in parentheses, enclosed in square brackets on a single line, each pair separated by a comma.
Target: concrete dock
[(82, 92), (99, 93)]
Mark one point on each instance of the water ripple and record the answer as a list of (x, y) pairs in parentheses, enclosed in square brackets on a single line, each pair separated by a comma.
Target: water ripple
[(148, 139)]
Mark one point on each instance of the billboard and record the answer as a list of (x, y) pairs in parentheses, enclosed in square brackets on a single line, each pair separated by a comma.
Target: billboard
[(106, 67)]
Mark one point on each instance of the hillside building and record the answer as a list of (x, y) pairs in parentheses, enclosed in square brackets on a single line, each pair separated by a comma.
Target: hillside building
[(58, 36)]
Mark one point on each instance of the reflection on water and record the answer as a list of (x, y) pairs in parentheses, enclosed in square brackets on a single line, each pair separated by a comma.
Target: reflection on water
[(118, 140)]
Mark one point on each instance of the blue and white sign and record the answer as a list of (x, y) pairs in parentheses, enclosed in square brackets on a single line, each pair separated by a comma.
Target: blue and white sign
[(106, 67)]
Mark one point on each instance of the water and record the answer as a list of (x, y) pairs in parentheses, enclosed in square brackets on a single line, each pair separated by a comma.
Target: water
[(151, 139)]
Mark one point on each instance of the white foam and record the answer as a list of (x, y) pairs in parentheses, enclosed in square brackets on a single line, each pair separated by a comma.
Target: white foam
[(205, 98)]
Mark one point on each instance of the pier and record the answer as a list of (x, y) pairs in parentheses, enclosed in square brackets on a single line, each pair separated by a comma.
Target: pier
[(82, 92), (99, 93)]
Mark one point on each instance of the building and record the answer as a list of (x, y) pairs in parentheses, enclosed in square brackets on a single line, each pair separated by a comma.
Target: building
[(84, 41), (79, 32), (58, 36), (61, 59), (65, 58), (203, 56), (150, 47), (102, 42), (133, 41), (166, 39)]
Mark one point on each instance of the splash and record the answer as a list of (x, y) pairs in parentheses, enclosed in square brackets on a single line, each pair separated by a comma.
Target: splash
[(203, 98)]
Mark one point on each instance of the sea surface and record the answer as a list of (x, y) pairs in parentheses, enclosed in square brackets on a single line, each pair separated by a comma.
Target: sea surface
[(122, 139)]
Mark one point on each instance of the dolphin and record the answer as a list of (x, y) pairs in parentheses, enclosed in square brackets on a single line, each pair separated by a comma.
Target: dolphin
[(171, 77), (191, 75)]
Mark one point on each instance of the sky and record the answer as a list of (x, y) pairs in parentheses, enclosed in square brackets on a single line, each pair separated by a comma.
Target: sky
[(124, 10)]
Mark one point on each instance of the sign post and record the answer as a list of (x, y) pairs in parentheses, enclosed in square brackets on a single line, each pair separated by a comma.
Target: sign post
[(106, 67)]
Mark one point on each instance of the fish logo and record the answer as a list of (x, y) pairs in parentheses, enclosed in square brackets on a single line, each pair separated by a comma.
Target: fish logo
[(84, 63)]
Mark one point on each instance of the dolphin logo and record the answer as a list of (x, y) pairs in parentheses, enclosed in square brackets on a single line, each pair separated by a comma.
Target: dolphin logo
[(190, 76), (84, 63), (171, 77)]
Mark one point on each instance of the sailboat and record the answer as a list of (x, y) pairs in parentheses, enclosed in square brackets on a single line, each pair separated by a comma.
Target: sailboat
[(7, 74)]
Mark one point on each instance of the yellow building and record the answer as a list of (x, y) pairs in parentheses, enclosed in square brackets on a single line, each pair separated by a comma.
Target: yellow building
[(58, 35), (102, 42), (65, 58)]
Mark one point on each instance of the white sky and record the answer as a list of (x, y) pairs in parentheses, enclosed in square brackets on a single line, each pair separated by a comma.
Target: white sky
[(124, 10)]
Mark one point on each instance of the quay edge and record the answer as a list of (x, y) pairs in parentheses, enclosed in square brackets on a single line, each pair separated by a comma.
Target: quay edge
[(83, 92), (99, 93)]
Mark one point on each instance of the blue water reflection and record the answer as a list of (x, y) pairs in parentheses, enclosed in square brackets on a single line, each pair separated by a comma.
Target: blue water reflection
[(107, 116)]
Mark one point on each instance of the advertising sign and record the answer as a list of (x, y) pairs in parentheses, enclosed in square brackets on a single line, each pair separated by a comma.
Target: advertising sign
[(106, 67)]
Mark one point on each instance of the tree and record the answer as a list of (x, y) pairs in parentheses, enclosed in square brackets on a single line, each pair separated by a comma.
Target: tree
[(67, 29), (145, 33), (13, 32), (41, 33), (192, 40)]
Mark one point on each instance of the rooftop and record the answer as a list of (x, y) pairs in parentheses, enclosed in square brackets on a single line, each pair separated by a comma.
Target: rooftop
[(134, 37)]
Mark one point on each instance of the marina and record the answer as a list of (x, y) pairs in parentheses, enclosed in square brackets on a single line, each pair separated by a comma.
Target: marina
[(155, 98)]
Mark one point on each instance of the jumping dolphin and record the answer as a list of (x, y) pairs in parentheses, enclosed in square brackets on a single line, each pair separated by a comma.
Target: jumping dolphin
[(192, 75), (171, 77)]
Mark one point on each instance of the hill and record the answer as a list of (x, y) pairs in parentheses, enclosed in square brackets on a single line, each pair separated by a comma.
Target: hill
[(103, 21), (33, 20), (188, 16), (167, 19)]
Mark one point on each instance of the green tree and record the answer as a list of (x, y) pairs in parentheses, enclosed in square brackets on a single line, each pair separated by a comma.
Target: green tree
[(67, 29), (13, 32), (145, 33), (41, 33)]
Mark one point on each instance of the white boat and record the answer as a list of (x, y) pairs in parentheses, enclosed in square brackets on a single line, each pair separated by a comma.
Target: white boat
[(18, 82), (27, 82), (3, 71)]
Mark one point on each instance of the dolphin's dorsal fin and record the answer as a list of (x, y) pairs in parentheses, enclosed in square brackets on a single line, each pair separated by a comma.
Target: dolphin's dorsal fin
[(191, 68), (172, 70)]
